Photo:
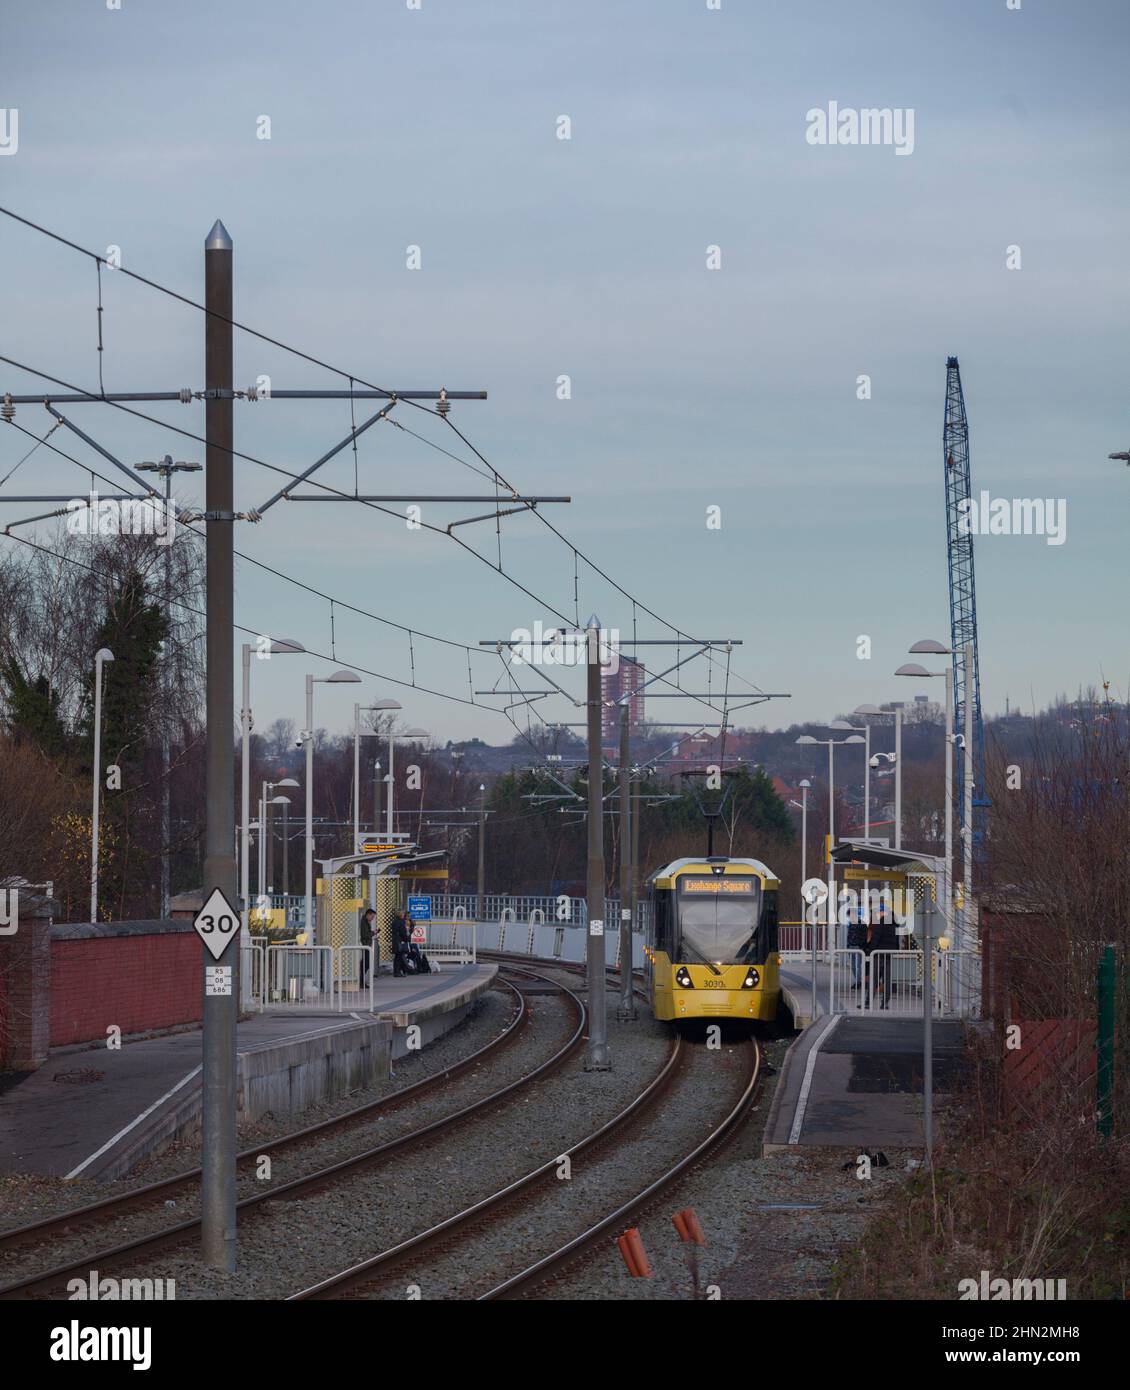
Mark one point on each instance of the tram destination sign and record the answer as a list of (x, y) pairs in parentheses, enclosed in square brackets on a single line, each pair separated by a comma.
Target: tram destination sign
[(721, 886)]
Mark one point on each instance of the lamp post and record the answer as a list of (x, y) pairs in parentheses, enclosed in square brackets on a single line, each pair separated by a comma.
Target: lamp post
[(482, 848), (804, 786), (266, 839), (408, 733), (101, 656), (285, 646), (913, 669), (166, 468), (865, 730), (894, 758), (368, 709), (832, 914), (338, 678)]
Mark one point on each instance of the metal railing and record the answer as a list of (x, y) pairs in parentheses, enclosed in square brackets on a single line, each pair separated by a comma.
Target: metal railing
[(299, 976), (452, 942), (794, 940), (890, 982)]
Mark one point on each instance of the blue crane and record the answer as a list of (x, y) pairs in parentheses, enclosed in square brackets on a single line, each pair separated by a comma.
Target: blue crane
[(963, 590)]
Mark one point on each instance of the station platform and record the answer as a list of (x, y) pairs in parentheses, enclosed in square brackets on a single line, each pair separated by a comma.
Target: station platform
[(856, 1082), (94, 1112)]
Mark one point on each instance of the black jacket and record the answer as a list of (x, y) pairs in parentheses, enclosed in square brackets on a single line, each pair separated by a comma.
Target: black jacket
[(883, 938), (399, 933)]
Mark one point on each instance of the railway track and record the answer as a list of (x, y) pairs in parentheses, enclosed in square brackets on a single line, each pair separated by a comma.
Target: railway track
[(109, 1209), (573, 1251), (446, 1235)]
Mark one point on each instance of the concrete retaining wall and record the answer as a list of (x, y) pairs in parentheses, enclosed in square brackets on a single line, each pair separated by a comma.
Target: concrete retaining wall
[(286, 1077)]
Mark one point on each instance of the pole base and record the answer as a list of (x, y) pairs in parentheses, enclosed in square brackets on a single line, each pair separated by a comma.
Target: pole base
[(598, 1059), (627, 1013)]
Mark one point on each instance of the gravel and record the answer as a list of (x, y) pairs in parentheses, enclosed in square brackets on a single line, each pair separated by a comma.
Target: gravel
[(551, 1024), (31, 1197), (290, 1245), (752, 1252)]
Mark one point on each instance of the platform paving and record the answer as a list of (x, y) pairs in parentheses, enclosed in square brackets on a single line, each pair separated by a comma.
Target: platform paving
[(90, 1111), (855, 1082)]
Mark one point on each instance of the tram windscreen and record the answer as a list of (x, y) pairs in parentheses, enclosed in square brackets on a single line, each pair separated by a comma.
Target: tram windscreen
[(719, 916)]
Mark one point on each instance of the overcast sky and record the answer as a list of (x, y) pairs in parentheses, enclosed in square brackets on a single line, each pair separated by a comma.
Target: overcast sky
[(691, 388)]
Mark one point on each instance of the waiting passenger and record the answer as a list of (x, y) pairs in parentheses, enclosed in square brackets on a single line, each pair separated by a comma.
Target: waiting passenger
[(401, 942), (367, 933)]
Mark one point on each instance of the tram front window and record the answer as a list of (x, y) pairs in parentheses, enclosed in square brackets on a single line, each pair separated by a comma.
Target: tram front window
[(718, 919)]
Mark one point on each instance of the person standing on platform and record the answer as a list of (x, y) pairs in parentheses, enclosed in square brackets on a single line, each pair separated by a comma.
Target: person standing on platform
[(856, 940), (367, 934), (400, 944)]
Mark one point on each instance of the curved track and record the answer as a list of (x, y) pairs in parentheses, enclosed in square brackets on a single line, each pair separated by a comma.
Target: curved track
[(109, 1208), (466, 1223)]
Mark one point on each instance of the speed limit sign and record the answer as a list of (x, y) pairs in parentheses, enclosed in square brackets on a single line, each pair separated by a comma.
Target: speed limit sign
[(216, 923)]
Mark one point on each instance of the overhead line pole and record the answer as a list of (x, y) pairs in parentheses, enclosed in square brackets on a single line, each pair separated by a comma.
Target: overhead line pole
[(596, 1055), (218, 1186), (627, 1010)]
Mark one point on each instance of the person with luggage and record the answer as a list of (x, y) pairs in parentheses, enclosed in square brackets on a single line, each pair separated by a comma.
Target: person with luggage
[(401, 941)]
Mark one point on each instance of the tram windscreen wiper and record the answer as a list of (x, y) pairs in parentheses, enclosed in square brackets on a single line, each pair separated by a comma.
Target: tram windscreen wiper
[(708, 963)]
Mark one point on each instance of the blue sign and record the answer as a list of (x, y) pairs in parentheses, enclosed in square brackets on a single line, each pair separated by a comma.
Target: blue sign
[(420, 908)]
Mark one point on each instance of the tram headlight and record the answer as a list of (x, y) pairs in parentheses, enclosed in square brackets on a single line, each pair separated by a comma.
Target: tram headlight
[(752, 979), (683, 978)]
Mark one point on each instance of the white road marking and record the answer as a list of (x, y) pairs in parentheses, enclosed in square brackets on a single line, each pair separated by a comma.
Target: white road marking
[(806, 1084), (132, 1124)]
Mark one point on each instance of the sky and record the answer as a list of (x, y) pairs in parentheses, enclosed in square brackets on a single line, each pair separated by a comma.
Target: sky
[(713, 284)]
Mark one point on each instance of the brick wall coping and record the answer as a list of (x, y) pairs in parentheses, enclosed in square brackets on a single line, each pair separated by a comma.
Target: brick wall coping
[(79, 931)]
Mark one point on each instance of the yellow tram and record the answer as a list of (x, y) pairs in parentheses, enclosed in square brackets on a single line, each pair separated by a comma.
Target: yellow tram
[(711, 948)]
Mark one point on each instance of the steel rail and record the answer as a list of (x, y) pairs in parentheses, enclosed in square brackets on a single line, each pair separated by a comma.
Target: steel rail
[(154, 1241), (461, 1221), (528, 1278)]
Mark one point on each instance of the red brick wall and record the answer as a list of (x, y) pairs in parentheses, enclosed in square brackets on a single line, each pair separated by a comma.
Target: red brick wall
[(137, 982)]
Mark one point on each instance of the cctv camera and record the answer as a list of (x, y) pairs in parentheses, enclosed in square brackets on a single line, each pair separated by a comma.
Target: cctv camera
[(875, 761), (298, 742)]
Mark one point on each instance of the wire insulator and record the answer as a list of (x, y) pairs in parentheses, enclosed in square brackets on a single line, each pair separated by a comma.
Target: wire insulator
[(8, 410), (185, 395), (443, 405), (252, 393)]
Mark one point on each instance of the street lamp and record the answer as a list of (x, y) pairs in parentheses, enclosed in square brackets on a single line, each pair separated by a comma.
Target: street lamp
[(895, 758), (101, 656), (831, 744), (913, 669), (166, 468), (284, 646), (266, 841), (357, 732), (338, 678), (482, 847), (407, 733)]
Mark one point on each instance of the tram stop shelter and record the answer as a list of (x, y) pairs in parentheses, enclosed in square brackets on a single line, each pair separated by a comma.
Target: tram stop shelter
[(370, 878), (906, 873)]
